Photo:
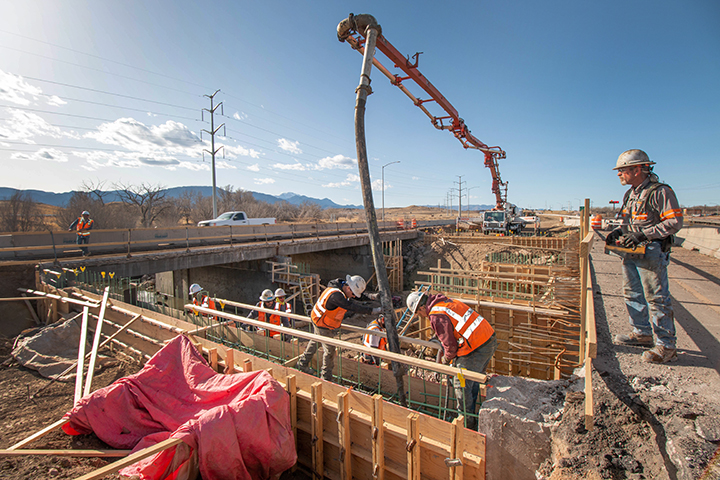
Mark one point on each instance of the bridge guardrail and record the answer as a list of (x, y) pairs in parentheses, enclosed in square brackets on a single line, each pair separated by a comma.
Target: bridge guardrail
[(58, 244)]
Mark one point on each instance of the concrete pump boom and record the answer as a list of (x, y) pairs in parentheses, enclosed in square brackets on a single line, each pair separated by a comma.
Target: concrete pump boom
[(353, 30)]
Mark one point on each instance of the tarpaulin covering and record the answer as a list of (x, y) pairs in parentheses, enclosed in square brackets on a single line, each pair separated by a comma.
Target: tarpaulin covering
[(238, 424)]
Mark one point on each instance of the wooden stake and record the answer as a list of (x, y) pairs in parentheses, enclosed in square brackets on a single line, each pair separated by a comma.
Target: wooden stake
[(247, 366), (316, 431), (96, 343), (378, 438), (344, 436), (81, 356), (213, 358), (291, 387), (413, 447), (230, 361), (456, 448)]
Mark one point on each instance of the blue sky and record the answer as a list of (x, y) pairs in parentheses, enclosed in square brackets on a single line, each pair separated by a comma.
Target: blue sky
[(112, 92)]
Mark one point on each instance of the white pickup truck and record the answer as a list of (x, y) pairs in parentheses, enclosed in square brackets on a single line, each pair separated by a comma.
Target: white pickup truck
[(235, 218)]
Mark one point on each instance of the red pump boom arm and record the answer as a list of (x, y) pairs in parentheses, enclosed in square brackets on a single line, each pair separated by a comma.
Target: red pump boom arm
[(352, 30)]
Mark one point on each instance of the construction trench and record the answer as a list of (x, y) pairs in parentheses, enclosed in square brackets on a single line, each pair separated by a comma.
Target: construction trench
[(354, 427)]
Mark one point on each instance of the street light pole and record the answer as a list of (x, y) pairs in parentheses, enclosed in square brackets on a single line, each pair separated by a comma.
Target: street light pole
[(383, 186)]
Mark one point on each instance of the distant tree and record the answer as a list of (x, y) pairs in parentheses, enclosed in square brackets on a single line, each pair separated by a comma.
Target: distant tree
[(148, 200), (92, 198), (20, 214)]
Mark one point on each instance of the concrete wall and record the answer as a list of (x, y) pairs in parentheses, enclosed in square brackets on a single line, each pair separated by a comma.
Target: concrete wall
[(704, 239), (333, 264)]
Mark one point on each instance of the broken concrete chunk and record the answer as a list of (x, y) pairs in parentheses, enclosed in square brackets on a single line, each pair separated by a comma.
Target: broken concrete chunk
[(708, 427)]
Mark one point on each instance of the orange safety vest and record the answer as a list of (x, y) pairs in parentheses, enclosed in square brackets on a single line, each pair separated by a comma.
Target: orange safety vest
[(322, 317), (374, 341), (471, 330), (276, 319), (83, 227), (206, 302)]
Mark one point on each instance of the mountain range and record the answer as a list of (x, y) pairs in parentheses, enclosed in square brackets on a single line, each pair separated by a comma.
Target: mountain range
[(61, 199)]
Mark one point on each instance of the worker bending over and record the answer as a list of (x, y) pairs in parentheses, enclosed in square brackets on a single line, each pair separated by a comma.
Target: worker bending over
[(467, 338), (374, 341), (327, 316), (267, 300)]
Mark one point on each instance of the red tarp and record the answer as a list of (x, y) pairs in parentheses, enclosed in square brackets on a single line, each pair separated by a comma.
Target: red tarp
[(239, 424)]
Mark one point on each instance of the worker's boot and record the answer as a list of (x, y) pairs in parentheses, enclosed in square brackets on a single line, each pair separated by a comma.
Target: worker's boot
[(660, 354), (635, 339)]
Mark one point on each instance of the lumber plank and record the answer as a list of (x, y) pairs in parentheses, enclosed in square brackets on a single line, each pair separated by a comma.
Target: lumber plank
[(135, 457), (67, 453), (81, 358), (413, 447), (96, 343), (378, 438), (316, 412), (39, 434), (344, 436), (213, 358), (589, 408), (456, 447)]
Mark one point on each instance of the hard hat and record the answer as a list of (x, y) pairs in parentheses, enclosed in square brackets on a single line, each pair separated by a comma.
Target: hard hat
[(195, 288), (85, 213), (267, 295), (356, 284), (279, 293), (414, 299), (631, 158)]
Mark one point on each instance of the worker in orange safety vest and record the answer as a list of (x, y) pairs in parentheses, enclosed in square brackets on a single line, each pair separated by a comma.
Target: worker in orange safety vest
[(83, 224), (327, 316), (374, 341), (468, 341), (201, 299)]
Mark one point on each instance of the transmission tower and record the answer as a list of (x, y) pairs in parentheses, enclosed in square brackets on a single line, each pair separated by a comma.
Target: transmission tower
[(212, 150)]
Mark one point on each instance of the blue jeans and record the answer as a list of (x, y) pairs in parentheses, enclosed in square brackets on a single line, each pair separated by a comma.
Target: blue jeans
[(83, 239), (476, 361), (647, 293)]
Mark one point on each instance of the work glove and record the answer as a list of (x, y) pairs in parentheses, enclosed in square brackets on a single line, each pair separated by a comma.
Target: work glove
[(376, 310), (632, 239), (613, 236), (373, 296)]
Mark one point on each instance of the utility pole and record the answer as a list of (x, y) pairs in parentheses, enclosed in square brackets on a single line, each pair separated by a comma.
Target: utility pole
[(212, 150), (460, 182)]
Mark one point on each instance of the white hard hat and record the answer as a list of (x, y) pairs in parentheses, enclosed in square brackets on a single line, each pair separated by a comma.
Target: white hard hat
[(195, 288), (279, 292), (356, 284), (631, 158), (414, 300), (85, 212), (267, 295)]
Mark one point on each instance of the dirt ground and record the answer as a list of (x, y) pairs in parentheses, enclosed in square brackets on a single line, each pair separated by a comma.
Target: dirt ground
[(21, 416), (650, 421)]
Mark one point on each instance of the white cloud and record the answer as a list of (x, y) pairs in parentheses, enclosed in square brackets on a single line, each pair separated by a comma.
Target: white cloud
[(136, 136), (378, 185), (349, 180), (289, 146), (290, 166), (13, 88), (338, 161), (46, 154), (234, 151), (264, 181), (254, 168), (24, 126), (240, 116), (415, 178)]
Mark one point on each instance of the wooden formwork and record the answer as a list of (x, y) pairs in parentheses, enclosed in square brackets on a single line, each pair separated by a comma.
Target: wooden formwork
[(341, 433), (535, 309)]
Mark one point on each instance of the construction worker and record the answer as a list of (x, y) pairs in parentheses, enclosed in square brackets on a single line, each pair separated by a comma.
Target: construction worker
[(327, 316), (374, 341), (651, 216), (267, 299), (281, 305), (83, 224), (467, 339), (201, 299)]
